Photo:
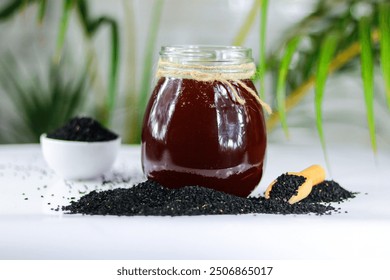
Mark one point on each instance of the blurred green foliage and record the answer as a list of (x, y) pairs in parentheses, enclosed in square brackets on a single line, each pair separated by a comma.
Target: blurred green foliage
[(306, 55), (40, 103), (358, 24)]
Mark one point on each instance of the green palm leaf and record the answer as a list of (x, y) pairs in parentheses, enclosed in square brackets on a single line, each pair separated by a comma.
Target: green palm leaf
[(10, 8), (91, 26), (328, 48), (384, 27), (262, 55), (148, 61), (281, 83), (243, 32), (367, 68), (63, 27), (42, 10)]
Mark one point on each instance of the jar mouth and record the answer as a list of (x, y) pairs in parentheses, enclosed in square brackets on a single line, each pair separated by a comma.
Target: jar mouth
[(213, 55)]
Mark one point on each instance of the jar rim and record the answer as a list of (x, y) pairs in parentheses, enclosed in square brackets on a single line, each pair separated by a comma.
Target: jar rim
[(206, 54)]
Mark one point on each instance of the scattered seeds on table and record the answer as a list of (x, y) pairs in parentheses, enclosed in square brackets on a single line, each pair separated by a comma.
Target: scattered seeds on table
[(151, 199)]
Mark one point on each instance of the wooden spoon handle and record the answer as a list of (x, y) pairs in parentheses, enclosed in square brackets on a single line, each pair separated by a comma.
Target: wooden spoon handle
[(315, 173)]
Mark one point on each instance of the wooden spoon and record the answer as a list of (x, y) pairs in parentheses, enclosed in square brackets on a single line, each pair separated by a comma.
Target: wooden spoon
[(314, 175)]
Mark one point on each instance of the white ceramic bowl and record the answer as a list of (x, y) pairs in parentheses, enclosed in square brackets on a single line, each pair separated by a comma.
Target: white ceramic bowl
[(79, 160)]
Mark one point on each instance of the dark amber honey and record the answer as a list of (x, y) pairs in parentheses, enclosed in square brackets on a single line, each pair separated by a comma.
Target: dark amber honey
[(196, 133)]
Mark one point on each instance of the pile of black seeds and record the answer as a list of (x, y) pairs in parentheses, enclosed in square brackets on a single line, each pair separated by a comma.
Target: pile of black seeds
[(151, 199), (329, 191), (83, 129), (286, 186)]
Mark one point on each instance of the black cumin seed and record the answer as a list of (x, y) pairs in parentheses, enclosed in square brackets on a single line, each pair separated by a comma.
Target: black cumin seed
[(286, 186), (329, 191), (150, 198), (83, 129)]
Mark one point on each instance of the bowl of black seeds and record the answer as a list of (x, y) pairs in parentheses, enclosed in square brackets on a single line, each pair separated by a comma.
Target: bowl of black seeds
[(81, 149)]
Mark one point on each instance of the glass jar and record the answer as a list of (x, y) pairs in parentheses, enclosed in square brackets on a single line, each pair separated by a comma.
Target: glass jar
[(204, 122)]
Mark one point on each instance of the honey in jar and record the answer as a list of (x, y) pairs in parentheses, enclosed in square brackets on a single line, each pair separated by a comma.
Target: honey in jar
[(204, 122)]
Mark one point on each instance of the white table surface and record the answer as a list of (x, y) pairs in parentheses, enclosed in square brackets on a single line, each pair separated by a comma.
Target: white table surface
[(29, 229)]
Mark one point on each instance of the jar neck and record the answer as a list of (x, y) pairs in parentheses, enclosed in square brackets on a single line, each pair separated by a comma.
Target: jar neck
[(207, 59), (227, 65)]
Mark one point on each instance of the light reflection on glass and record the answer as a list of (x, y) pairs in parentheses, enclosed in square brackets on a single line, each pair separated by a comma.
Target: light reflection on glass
[(230, 120), (162, 111)]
